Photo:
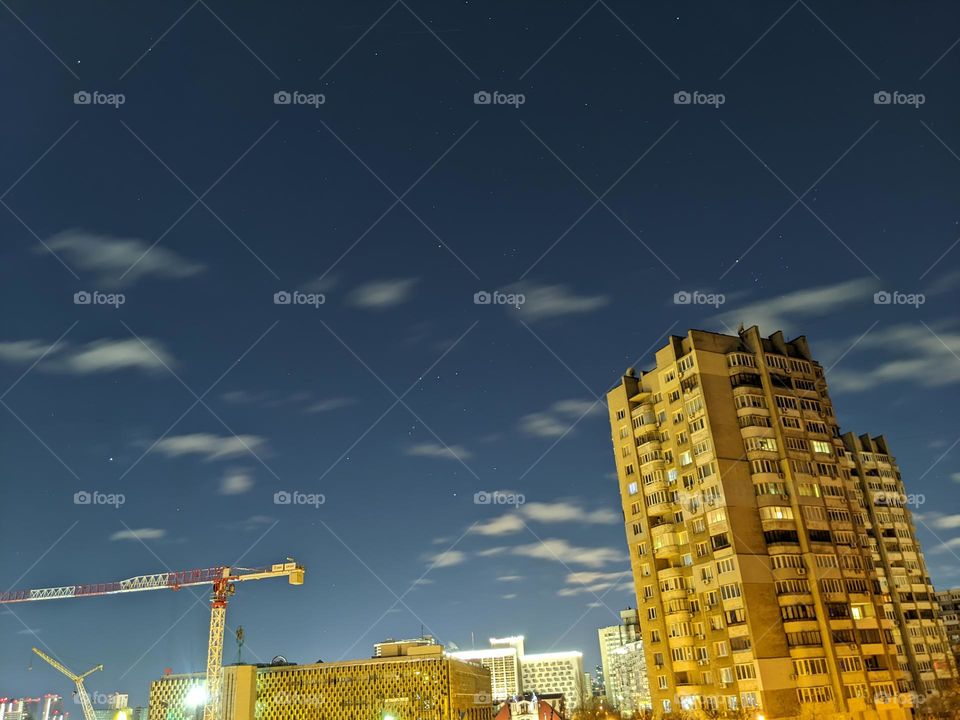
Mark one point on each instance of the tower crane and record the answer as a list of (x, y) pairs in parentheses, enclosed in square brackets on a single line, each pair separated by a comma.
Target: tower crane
[(88, 713), (223, 580)]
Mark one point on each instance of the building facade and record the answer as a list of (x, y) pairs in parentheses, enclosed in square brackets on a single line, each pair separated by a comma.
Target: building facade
[(555, 673), (763, 579), (409, 687), (514, 672), (950, 614), (624, 664)]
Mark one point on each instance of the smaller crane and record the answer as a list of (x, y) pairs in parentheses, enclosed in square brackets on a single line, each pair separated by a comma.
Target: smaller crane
[(88, 713)]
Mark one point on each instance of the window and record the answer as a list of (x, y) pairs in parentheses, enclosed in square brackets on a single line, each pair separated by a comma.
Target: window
[(632, 488), (761, 443), (790, 422), (776, 512), (621, 414), (821, 447), (686, 458), (629, 469)]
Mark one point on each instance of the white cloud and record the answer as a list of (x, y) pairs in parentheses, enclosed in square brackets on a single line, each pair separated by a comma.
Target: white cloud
[(111, 257), (559, 418), (542, 425), (777, 313), (435, 450), (236, 482), (329, 404), (561, 551), (502, 525), (423, 581), (509, 596), (914, 354), (578, 583), (102, 356), (382, 294), (98, 356), (565, 511), (140, 534), (946, 546), (491, 552), (211, 447), (448, 558), (509, 578), (544, 302), (941, 522), (23, 351)]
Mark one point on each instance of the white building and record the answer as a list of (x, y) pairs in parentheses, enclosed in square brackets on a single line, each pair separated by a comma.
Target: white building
[(624, 665), (555, 672), (504, 666), (513, 671)]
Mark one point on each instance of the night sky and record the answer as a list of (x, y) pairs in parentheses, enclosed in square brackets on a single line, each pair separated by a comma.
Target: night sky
[(783, 186)]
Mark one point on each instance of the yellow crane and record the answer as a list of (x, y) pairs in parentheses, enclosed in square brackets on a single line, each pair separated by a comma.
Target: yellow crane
[(88, 713), (224, 580)]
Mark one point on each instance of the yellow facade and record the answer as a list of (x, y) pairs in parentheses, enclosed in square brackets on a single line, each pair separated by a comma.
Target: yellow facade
[(407, 688), (763, 580)]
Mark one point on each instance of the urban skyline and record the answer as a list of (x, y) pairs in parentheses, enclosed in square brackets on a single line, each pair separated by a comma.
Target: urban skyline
[(349, 284)]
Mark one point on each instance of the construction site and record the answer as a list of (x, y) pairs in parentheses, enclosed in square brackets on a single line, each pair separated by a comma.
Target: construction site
[(406, 684)]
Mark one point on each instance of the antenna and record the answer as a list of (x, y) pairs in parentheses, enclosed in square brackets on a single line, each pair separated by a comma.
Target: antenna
[(240, 636)]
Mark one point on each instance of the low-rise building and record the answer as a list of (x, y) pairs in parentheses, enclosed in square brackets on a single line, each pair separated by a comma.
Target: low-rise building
[(415, 686)]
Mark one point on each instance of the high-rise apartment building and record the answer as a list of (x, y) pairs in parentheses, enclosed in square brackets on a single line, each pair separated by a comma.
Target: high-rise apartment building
[(950, 614), (775, 564), (624, 664)]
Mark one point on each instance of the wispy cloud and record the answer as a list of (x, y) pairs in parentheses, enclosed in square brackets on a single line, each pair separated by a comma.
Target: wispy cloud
[(335, 403), (211, 447), (559, 550), (110, 258), (500, 525), (912, 353), (547, 302), (558, 418), (566, 511), (579, 583), (448, 558), (382, 294), (510, 578), (140, 534), (236, 482), (562, 511), (92, 358), (441, 452), (780, 312)]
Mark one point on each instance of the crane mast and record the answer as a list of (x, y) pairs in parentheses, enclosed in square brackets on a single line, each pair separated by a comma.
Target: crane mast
[(88, 713), (223, 580)]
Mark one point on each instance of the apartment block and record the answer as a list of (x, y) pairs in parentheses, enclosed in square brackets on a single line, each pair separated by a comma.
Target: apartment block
[(624, 666), (950, 614), (766, 574), (514, 672)]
